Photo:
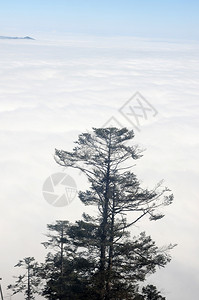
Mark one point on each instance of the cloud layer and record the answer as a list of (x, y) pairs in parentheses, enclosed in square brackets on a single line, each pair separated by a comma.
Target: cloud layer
[(52, 90)]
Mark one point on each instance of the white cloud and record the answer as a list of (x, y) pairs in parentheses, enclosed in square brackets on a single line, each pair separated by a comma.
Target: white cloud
[(52, 90)]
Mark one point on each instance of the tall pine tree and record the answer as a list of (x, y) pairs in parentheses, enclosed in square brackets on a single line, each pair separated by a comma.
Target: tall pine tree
[(120, 261)]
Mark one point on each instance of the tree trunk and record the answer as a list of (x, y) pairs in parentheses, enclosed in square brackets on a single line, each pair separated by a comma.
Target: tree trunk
[(1, 293), (110, 259), (104, 229), (62, 250), (28, 291)]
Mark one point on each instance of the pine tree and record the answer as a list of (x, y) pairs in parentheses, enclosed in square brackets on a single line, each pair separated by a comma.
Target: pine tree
[(29, 282), (119, 261), (66, 271)]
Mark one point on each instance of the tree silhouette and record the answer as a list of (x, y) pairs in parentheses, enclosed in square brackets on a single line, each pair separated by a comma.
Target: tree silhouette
[(105, 157), (29, 282)]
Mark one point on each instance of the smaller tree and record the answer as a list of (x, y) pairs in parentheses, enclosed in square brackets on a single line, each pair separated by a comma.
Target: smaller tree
[(65, 270), (29, 282)]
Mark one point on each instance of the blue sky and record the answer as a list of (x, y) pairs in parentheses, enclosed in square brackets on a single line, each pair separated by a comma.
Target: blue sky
[(156, 19)]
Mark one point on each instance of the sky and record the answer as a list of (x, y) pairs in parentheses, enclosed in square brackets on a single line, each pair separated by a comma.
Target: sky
[(160, 19), (90, 63)]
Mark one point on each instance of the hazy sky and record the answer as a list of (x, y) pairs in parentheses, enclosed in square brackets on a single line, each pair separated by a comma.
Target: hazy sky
[(86, 61), (162, 19)]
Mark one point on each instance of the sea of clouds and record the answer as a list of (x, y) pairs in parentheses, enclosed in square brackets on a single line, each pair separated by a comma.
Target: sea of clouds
[(53, 89)]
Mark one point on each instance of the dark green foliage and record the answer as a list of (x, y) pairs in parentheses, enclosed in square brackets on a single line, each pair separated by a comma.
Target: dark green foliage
[(67, 270), (150, 292)]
